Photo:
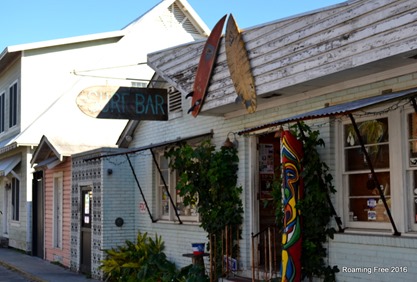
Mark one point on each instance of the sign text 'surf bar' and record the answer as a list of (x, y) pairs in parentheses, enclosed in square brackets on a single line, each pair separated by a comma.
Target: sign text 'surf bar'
[(115, 102)]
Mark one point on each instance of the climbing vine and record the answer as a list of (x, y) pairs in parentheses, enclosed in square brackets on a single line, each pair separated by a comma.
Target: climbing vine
[(208, 179)]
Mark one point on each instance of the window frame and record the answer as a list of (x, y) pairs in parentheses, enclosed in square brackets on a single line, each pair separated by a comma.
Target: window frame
[(58, 194), (13, 104), (171, 182), (411, 206), (2, 111), (348, 220), (15, 187)]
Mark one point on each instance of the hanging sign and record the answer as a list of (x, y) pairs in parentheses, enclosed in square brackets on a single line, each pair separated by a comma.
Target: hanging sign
[(116, 102)]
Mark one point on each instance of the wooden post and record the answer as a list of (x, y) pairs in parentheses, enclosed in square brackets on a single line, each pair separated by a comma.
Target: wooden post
[(227, 249), (270, 252), (211, 257), (253, 258), (265, 251)]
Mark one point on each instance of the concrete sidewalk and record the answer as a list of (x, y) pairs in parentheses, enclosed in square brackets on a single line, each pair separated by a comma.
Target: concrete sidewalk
[(37, 269)]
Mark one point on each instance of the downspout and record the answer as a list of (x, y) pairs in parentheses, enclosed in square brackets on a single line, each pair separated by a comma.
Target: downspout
[(375, 178)]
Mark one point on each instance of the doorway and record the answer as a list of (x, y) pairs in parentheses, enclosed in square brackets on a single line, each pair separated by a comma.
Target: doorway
[(6, 210), (269, 170), (86, 217), (267, 240), (38, 215)]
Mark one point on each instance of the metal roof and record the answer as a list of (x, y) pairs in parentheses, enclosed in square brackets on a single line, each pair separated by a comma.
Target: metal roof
[(125, 151), (8, 164), (340, 109)]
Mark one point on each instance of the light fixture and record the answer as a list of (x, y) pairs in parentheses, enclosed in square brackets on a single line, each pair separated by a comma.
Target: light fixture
[(278, 133), (119, 222)]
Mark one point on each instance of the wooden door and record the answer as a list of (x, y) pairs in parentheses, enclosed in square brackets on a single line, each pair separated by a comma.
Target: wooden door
[(38, 209), (269, 165), (269, 236), (86, 217)]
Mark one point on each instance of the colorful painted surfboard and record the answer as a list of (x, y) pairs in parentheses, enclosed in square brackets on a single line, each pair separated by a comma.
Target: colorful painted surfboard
[(205, 68), (292, 153), (239, 66)]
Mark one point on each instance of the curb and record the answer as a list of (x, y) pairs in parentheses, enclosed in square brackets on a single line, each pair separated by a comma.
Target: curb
[(27, 275)]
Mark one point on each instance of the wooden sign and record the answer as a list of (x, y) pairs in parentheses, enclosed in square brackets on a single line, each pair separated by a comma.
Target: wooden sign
[(115, 102)]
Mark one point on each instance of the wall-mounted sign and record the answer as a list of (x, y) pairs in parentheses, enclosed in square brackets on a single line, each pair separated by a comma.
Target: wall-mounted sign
[(142, 207), (116, 102)]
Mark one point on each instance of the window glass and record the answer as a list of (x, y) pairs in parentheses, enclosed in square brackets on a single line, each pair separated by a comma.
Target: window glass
[(13, 105), (15, 198), (167, 210), (2, 112), (364, 198), (414, 197), (412, 158)]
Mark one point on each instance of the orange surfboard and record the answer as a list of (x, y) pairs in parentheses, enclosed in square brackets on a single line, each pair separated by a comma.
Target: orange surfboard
[(205, 68), (239, 66)]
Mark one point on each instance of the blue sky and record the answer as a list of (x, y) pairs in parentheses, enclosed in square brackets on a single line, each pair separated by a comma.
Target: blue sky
[(27, 21)]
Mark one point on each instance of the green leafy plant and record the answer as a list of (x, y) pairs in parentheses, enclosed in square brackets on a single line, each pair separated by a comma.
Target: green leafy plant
[(208, 180), (193, 273), (315, 208), (140, 261)]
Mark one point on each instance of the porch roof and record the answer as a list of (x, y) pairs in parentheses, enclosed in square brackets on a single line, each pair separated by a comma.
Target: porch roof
[(339, 109), (8, 164), (152, 146)]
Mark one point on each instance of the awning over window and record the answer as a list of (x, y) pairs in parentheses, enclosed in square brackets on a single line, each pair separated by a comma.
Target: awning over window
[(8, 164), (340, 109), (151, 146)]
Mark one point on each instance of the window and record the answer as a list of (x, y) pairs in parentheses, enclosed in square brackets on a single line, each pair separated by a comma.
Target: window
[(166, 209), (390, 138), (13, 105), (411, 192), (15, 198), (364, 203), (2, 112), (139, 84), (57, 212)]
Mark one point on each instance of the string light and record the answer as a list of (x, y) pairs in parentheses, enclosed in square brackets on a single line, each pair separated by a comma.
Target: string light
[(118, 78), (81, 73), (113, 67)]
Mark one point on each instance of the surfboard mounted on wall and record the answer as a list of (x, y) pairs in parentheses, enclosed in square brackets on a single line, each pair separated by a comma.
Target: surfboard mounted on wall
[(239, 66), (205, 68)]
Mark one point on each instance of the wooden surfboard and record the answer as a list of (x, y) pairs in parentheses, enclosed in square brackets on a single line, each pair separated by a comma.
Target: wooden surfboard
[(205, 68), (239, 66)]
